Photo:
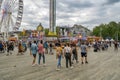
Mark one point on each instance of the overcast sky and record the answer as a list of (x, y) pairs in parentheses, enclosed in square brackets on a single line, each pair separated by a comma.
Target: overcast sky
[(88, 13)]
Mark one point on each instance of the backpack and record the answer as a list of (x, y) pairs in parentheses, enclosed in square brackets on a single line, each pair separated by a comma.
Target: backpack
[(74, 51), (45, 45)]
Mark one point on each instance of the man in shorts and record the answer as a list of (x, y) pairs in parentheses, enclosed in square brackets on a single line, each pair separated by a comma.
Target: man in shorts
[(83, 53), (33, 51)]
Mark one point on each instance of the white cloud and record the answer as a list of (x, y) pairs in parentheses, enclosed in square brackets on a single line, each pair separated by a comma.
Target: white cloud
[(69, 12)]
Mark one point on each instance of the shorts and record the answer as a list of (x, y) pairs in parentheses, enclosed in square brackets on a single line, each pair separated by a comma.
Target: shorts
[(34, 55), (83, 54)]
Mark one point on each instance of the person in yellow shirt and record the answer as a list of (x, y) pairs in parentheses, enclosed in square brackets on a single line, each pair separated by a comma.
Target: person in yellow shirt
[(59, 56)]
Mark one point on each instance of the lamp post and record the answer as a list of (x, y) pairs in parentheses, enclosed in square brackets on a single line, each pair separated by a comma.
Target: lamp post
[(100, 32)]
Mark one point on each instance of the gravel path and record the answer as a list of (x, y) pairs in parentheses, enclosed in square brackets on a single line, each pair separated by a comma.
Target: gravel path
[(104, 65)]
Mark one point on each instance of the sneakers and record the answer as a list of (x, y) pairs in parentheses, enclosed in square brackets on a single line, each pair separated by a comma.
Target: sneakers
[(33, 65), (86, 62), (82, 63), (71, 67)]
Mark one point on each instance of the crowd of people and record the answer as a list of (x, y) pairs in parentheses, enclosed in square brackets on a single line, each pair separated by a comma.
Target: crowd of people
[(9, 46), (68, 50), (104, 45)]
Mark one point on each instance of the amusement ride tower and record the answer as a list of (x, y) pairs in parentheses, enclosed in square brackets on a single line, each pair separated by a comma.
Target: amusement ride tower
[(52, 20)]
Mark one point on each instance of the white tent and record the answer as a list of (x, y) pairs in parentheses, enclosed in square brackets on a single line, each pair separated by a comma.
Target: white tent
[(107, 40), (103, 40), (112, 40)]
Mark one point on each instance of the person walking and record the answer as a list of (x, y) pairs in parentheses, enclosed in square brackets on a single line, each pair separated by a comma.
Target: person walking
[(20, 49), (9, 48), (116, 46), (83, 53), (46, 47), (1, 46), (68, 53), (58, 56), (33, 51), (41, 52), (51, 48), (75, 53)]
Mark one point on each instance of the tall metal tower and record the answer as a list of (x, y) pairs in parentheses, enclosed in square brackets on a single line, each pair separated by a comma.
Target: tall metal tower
[(52, 16)]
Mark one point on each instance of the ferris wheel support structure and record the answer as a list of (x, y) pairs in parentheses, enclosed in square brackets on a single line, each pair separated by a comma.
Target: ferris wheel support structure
[(12, 12)]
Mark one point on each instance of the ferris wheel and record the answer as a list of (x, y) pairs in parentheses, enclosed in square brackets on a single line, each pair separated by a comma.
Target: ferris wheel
[(11, 15)]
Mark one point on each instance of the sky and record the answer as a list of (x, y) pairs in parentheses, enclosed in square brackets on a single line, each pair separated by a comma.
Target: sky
[(88, 13)]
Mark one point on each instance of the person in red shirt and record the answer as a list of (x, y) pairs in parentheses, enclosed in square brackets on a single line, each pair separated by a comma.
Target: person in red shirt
[(41, 51)]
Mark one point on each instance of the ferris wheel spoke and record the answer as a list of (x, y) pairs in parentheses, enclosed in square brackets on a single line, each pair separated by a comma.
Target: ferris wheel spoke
[(15, 9), (5, 2), (12, 24), (1, 3), (11, 19), (11, 5), (1, 23), (14, 16), (15, 5)]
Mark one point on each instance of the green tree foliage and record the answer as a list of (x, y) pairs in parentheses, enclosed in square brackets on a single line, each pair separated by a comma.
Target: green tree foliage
[(110, 30), (46, 31), (58, 31)]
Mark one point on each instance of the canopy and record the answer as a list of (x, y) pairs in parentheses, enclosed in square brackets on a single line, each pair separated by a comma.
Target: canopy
[(12, 39), (112, 40)]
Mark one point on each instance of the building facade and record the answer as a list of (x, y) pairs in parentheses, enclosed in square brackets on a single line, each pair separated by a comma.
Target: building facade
[(73, 31)]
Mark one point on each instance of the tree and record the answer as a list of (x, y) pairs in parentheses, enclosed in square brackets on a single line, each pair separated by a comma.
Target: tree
[(110, 30), (46, 31), (58, 31)]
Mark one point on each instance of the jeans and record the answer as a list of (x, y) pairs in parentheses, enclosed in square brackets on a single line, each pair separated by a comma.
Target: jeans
[(59, 61), (51, 50), (41, 55), (46, 50), (75, 57)]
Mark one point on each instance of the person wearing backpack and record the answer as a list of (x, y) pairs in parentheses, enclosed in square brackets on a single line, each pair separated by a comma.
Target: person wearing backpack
[(83, 53), (68, 53), (46, 47), (75, 53), (41, 52)]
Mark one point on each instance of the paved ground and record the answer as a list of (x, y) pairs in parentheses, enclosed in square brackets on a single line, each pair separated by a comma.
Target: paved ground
[(104, 65)]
